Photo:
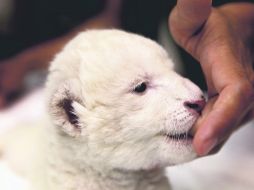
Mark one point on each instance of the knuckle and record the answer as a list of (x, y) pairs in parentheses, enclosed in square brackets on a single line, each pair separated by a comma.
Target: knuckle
[(246, 89)]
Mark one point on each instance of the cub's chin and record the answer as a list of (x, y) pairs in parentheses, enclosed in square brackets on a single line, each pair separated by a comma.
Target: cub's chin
[(179, 147)]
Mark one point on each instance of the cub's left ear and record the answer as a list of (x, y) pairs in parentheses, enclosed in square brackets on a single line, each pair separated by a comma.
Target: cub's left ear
[(66, 108)]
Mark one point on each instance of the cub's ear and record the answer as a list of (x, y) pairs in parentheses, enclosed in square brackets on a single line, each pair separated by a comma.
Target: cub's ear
[(66, 108)]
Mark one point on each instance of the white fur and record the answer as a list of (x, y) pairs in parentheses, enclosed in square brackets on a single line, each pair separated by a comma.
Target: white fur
[(120, 140)]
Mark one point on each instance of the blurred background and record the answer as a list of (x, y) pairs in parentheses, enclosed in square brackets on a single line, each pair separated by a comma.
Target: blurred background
[(33, 31), (26, 24)]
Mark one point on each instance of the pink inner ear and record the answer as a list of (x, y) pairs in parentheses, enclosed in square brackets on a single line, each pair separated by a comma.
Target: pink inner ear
[(66, 104)]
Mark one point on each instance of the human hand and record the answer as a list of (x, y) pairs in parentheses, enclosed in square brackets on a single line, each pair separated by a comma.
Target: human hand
[(219, 39)]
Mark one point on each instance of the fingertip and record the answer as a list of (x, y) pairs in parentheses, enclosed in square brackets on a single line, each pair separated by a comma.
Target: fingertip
[(188, 10), (203, 147), (187, 18), (204, 141)]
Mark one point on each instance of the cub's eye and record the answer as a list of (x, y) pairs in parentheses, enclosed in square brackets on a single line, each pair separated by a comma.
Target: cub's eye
[(140, 88)]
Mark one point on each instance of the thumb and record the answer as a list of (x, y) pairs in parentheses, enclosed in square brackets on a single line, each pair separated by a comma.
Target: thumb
[(188, 17)]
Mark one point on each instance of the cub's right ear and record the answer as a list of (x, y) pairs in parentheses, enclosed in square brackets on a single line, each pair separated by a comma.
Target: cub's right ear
[(66, 108)]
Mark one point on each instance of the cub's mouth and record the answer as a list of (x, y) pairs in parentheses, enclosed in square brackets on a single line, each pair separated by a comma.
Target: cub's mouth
[(180, 136), (184, 138)]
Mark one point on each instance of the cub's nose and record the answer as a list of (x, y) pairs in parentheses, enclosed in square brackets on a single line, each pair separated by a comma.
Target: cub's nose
[(195, 105)]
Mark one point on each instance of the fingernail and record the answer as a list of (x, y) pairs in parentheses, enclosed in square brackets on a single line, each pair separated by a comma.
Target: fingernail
[(207, 146)]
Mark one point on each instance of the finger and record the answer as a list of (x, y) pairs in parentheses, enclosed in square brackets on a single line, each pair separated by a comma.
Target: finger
[(235, 89), (205, 112), (188, 17), (217, 148), (222, 67), (232, 103)]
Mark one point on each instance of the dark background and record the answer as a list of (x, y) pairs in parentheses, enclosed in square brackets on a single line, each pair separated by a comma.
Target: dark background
[(35, 21)]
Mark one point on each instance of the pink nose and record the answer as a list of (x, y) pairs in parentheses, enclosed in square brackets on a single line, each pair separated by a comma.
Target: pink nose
[(196, 105)]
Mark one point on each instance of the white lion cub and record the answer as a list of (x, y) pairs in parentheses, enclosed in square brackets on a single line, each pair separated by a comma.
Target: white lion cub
[(119, 114)]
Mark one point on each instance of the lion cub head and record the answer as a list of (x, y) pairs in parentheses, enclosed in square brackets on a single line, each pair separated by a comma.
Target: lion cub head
[(117, 97)]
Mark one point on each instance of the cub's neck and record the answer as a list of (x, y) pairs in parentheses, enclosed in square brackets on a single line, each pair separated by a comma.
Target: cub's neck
[(65, 173)]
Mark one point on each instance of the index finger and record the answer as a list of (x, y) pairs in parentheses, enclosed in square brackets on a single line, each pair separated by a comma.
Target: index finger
[(223, 117)]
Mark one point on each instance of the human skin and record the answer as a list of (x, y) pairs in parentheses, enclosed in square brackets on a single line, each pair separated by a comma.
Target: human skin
[(221, 39)]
